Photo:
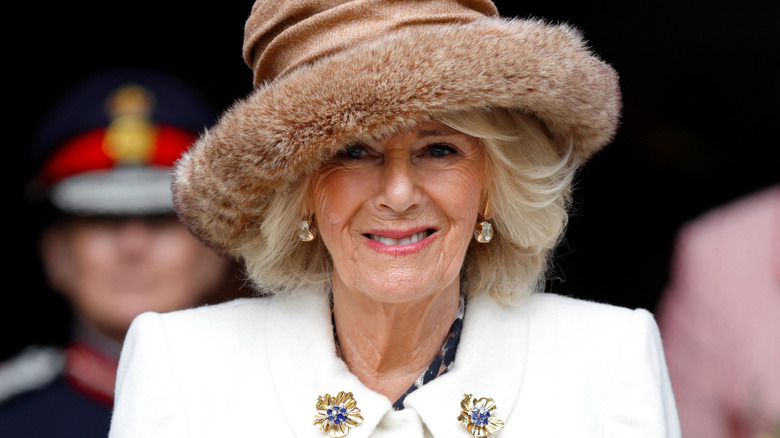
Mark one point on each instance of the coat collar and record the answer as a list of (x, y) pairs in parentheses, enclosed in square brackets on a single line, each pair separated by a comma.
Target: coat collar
[(490, 362), (303, 365)]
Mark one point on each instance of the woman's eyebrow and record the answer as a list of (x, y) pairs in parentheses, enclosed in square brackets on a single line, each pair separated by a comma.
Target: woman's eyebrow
[(436, 132)]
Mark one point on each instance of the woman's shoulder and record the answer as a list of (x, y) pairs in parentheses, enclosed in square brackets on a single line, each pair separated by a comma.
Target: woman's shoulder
[(577, 307), (573, 325), (587, 361), (206, 335), (227, 309), (587, 322), (205, 321), (581, 325)]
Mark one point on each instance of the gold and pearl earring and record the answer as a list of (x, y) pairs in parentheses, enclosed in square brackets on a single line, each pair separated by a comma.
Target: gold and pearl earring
[(483, 231)]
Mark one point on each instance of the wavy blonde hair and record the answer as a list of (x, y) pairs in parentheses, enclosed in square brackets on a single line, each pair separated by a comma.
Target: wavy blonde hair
[(528, 181)]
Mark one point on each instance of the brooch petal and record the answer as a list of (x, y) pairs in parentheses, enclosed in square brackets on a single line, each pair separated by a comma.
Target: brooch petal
[(479, 416), (337, 415)]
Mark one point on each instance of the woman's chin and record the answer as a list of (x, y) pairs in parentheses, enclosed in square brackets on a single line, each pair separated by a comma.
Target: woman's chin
[(397, 279)]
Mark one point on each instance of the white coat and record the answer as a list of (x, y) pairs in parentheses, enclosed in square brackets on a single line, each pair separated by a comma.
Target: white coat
[(555, 366)]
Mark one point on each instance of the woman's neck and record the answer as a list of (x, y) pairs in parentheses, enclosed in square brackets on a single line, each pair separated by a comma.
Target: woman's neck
[(389, 345)]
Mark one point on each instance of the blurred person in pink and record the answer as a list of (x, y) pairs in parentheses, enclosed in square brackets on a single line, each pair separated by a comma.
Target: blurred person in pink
[(720, 320)]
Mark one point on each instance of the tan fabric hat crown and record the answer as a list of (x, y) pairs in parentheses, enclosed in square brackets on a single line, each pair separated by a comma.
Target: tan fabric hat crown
[(281, 36), (329, 72)]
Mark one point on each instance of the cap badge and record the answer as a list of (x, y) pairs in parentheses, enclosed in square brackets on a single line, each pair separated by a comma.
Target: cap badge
[(130, 137)]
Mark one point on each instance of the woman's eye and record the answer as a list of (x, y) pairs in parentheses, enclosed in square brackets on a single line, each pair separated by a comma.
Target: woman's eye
[(440, 150), (353, 152)]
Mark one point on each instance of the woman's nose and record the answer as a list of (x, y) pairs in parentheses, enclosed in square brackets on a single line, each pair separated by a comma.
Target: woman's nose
[(398, 190)]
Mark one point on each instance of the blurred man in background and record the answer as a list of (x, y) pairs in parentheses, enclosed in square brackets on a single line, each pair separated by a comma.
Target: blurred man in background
[(111, 244)]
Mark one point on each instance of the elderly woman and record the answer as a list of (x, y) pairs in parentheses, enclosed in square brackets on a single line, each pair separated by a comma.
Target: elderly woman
[(394, 186)]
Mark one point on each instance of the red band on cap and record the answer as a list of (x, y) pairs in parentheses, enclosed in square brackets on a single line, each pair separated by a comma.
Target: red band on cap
[(86, 153)]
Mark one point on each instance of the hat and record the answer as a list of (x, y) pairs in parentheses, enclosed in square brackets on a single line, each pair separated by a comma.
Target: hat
[(329, 72), (108, 146)]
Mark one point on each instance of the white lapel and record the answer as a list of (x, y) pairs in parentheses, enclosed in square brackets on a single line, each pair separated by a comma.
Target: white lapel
[(490, 362), (303, 365)]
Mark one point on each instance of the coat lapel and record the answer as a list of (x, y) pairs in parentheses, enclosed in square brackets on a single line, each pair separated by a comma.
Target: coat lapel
[(490, 362), (303, 365)]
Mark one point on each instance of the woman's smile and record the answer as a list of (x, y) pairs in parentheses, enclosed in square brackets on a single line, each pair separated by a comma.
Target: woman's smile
[(400, 242)]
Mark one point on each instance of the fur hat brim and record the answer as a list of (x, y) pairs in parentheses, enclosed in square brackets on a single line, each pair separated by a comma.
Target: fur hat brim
[(285, 128)]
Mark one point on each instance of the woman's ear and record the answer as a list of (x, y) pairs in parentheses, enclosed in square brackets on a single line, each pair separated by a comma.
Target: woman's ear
[(56, 256)]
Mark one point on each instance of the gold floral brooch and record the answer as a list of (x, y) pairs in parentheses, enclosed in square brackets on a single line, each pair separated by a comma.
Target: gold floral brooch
[(337, 415), (479, 416)]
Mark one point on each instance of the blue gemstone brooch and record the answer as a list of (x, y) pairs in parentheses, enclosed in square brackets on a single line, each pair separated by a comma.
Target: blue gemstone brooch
[(479, 416), (337, 415)]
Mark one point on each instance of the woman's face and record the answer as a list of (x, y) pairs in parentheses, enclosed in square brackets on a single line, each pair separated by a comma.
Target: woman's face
[(397, 214)]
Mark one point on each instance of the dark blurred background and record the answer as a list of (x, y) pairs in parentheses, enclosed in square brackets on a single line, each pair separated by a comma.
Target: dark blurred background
[(701, 88)]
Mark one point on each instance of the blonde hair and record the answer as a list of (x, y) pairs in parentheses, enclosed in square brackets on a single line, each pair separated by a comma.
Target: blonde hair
[(527, 181)]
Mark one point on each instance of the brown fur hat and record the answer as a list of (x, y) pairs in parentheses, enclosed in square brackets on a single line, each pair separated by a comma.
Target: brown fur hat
[(330, 72)]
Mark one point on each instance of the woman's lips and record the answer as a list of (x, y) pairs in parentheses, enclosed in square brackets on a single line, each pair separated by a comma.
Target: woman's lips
[(400, 242), (390, 241)]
